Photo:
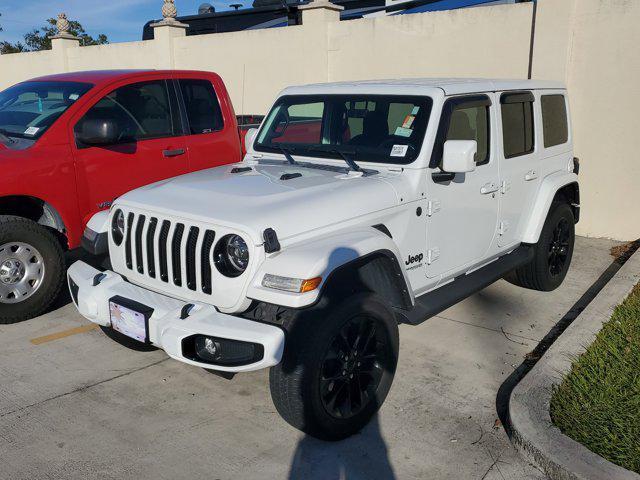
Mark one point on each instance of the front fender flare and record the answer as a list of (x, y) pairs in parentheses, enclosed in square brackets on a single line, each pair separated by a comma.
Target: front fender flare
[(546, 193), (320, 258)]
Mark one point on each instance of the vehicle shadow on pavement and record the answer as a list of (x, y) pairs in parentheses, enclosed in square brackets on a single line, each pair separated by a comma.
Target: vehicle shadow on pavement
[(361, 457)]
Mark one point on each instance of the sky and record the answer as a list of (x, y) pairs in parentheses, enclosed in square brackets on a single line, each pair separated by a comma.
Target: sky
[(120, 20)]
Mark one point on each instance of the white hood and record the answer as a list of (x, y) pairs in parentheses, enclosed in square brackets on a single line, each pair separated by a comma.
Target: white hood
[(254, 200)]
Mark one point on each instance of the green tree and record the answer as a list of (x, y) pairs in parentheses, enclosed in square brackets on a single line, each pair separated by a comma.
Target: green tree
[(39, 38)]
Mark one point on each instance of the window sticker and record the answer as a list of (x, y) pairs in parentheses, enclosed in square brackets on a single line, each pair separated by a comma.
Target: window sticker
[(399, 150), (31, 131), (403, 132), (74, 97), (408, 121), (415, 110)]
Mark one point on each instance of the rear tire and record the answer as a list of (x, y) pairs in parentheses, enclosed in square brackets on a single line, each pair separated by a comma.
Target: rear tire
[(338, 366), (552, 253), (31, 265)]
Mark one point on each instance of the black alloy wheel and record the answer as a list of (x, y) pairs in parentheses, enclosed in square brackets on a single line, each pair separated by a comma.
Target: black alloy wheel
[(353, 367), (559, 247)]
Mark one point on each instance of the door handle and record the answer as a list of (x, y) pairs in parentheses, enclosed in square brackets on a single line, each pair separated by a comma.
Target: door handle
[(488, 188), (531, 175), (173, 153)]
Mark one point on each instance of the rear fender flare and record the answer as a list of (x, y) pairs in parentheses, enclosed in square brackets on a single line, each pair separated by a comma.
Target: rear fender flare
[(546, 193)]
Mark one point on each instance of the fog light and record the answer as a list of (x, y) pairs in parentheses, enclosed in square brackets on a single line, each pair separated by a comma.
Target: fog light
[(207, 348), (221, 351)]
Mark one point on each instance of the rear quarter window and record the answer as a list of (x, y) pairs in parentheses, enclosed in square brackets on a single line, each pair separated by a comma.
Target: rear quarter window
[(554, 120), (202, 107)]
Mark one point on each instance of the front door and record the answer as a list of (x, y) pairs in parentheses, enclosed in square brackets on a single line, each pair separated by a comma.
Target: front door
[(152, 145), (462, 212)]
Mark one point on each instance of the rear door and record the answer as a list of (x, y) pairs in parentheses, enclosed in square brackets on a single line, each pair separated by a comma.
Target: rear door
[(212, 137), (152, 146), (520, 155), (462, 211)]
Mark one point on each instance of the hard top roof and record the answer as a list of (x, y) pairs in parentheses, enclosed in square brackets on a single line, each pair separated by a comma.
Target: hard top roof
[(422, 85)]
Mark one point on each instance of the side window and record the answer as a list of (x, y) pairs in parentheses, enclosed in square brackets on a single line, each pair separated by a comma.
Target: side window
[(201, 103), (554, 120), (517, 123), (471, 122), (141, 110)]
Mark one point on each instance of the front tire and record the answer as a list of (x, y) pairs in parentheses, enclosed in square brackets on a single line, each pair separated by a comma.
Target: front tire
[(552, 253), (338, 367), (31, 269)]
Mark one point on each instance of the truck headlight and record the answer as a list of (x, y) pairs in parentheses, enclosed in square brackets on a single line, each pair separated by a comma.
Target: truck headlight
[(289, 284), (231, 256), (117, 227)]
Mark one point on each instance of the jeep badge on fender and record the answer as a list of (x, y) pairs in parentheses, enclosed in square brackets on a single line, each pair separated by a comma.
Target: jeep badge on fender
[(414, 259), (292, 260)]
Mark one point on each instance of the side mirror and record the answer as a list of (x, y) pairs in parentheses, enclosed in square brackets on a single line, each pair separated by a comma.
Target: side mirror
[(459, 156), (98, 132), (249, 138)]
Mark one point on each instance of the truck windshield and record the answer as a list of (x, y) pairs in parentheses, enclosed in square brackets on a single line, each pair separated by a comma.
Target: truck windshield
[(28, 109), (368, 128)]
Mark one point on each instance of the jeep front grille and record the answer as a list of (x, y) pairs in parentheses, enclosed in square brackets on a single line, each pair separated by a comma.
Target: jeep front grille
[(180, 253)]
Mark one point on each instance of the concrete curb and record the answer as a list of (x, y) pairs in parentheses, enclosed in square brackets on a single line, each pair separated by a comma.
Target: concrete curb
[(534, 435)]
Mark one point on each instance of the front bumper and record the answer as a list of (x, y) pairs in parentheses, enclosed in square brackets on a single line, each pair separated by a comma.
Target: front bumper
[(166, 328)]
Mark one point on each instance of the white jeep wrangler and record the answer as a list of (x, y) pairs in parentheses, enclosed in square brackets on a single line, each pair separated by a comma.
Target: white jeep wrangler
[(358, 207)]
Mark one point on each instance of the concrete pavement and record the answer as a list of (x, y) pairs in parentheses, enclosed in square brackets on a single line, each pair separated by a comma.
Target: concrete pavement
[(84, 407)]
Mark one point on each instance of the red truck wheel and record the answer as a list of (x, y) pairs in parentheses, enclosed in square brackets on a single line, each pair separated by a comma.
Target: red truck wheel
[(31, 269)]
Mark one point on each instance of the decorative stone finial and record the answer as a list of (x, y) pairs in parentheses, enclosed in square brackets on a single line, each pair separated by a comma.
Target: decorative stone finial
[(62, 24), (169, 14), (169, 10)]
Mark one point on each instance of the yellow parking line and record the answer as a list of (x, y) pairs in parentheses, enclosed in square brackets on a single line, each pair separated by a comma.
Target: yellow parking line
[(63, 334)]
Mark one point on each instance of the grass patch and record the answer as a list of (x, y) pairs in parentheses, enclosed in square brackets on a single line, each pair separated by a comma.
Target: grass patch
[(598, 403)]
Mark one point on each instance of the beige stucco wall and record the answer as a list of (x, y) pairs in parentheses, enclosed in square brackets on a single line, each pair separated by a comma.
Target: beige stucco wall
[(604, 82), (589, 44), (474, 42)]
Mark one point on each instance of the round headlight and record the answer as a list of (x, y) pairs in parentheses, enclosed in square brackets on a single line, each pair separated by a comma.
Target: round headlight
[(231, 256), (117, 227)]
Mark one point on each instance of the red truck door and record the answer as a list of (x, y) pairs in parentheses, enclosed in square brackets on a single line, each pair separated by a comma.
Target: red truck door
[(151, 148), (213, 138)]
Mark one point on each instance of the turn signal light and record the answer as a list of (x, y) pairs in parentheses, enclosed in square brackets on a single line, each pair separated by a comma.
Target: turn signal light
[(310, 285), (289, 284)]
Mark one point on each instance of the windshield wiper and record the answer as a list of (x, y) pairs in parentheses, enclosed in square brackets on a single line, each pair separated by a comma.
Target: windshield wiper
[(345, 156), (287, 153), (4, 138)]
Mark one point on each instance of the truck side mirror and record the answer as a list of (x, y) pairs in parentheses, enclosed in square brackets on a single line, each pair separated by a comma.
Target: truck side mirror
[(98, 132), (249, 138), (459, 156)]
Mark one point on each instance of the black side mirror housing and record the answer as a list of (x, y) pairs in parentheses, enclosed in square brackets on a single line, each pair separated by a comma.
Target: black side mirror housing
[(98, 132)]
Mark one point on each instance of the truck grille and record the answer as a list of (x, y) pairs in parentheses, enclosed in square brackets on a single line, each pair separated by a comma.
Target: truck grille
[(179, 253)]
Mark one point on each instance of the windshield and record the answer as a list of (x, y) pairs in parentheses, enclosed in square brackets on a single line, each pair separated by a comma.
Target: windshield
[(368, 128), (28, 109)]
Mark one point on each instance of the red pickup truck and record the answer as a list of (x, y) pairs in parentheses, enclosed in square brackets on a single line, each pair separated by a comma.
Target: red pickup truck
[(71, 143)]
